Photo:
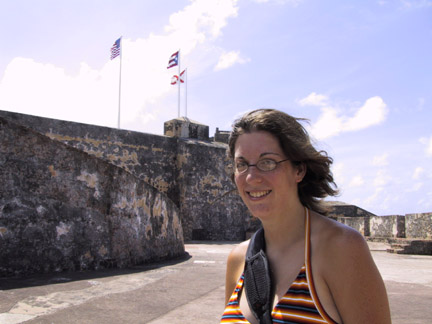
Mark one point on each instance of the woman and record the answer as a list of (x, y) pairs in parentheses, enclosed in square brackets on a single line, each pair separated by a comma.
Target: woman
[(321, 271)]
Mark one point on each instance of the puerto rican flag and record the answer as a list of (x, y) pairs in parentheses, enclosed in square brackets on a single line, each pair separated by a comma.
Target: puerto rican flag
[(173, 61), (175, 78)]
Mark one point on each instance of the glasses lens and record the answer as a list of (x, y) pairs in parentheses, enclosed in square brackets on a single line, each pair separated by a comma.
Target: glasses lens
[(241, 167), (266, 165)]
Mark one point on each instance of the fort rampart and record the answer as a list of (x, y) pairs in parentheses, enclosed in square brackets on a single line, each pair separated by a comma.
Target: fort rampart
[(77, 196)]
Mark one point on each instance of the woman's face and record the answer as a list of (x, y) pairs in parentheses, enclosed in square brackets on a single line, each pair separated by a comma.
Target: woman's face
[(265, 193)]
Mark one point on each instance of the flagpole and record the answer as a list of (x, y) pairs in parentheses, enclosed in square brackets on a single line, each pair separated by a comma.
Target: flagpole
[(178, 109), (186, 73), (119, 103)]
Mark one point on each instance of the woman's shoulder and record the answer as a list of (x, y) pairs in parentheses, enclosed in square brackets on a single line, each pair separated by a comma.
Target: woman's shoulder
[(342, 260), (336, 241), (238, 254)]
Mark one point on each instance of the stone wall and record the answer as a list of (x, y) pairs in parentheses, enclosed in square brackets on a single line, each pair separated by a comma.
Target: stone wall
[(191, 172), (361, 224), (208, 197), (339, 209), (144, 187), (387, 226), (63, 209), (419, 225), (151, 158)]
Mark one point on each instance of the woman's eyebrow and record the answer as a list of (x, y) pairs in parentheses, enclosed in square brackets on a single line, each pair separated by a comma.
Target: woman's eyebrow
[(269, 153), (261, 155)]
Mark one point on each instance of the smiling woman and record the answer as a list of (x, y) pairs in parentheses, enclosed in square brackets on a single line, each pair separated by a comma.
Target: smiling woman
[(313, 269)]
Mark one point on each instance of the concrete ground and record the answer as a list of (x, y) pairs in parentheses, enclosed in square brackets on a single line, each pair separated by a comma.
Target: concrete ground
[(190, 290)]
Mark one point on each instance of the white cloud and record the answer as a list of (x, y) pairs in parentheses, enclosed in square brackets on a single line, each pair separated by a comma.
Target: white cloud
[(91, 96), (380, 160), (313, 99), (332, 122), (428, 142), (382, 179), (50, 90), (373, 112), (228, 59), (329, 124), (356, 181), (417, 173)]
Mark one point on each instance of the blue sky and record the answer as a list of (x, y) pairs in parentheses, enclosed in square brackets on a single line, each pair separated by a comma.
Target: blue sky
[(359, 70)]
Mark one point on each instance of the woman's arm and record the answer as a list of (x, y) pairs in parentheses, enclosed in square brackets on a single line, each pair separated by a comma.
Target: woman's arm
[(354, 280)]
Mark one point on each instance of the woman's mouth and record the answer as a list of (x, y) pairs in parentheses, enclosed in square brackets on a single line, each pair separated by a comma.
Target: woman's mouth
[(258, 194)]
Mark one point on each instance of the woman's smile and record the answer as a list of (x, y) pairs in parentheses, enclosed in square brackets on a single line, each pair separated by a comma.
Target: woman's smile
[(258, 194)]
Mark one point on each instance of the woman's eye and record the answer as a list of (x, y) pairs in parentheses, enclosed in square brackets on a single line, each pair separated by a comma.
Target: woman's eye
[(241, 165), (266, 165)]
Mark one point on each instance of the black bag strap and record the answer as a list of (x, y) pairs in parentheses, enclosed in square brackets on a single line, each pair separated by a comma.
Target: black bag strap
[(257, 280)]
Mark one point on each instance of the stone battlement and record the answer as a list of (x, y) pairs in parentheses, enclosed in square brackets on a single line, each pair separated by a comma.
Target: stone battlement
[(79, 196)]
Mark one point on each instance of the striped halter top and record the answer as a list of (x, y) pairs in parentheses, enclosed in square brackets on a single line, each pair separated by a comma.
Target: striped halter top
[(300, 304)]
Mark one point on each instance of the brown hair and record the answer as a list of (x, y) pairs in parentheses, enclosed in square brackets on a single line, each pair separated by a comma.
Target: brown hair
[(295, 142)]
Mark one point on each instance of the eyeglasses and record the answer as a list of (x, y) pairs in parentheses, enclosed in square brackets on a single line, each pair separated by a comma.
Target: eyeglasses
[(264, 165)]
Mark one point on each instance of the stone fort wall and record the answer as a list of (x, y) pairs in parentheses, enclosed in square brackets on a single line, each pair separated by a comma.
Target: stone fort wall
[(63, 209), (77, 196), (186, 179)]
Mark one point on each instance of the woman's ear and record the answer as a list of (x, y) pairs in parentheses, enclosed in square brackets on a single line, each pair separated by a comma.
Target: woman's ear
[(301, 172)]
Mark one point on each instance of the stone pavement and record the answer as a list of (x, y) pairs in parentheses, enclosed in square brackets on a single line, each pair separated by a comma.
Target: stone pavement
[(188, 290)]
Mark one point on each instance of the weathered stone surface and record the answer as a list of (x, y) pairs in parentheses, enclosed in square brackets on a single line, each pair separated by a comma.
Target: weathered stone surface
[(185, 128), (149, 157), (209, 198), (419, 225), (221, 136), (63, 209), (194, 174), (387, 226), (341, 209), (358, 223)]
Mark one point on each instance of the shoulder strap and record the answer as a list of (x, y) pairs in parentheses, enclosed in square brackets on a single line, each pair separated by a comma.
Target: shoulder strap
[(257, 280)]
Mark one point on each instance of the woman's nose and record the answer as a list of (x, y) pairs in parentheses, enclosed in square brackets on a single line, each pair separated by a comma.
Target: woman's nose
[(253, 174)]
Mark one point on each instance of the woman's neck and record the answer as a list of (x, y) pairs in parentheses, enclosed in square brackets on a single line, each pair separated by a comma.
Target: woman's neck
[(284, 231)]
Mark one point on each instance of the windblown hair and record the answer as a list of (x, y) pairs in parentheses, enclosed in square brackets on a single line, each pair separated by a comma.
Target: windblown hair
[(295, 142)]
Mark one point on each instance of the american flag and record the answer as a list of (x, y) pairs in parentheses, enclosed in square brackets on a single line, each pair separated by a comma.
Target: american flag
[(173, 61), (115, 49)]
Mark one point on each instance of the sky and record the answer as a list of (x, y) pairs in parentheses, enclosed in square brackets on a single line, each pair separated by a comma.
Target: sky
[(359, 70)]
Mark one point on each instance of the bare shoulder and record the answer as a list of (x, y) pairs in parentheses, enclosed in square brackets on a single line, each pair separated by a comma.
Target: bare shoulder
[(337, 236), (346, 266), (338, 249), (235, 266), (238, 253)]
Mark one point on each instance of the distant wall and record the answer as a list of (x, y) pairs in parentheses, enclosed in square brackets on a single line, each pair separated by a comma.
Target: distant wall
[(63, 209), (419, 225), (387, 226), (361, 224)]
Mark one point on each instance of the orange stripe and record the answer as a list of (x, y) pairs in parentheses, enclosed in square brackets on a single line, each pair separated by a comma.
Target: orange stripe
[(313, 292)]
